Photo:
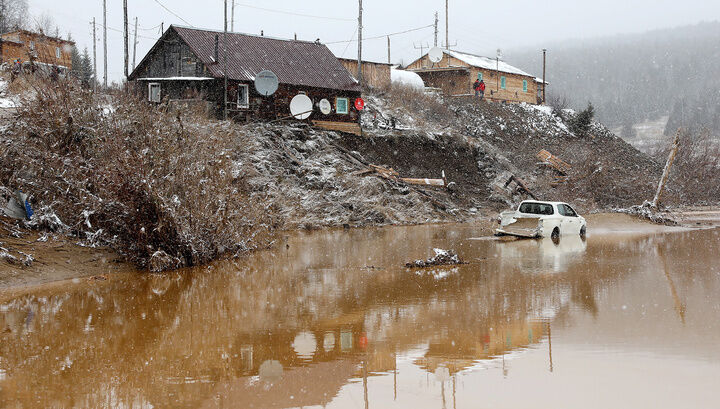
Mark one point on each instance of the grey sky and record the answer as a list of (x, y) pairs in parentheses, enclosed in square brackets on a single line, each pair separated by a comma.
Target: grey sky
[(479, 27)]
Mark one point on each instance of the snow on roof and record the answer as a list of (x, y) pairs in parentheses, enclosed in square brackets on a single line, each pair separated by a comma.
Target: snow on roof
[(177, 79), (406, 78), (486, 62)]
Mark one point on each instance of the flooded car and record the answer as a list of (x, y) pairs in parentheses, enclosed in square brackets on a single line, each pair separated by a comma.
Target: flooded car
[(534, 219)]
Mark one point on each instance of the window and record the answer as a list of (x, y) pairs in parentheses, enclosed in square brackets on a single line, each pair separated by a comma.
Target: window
[(480, 76), (566, 210), (524, 85), (154, 92), (243, 100), (536, 208), (32, 45), (341, 105), (57, 52), (502, 82)]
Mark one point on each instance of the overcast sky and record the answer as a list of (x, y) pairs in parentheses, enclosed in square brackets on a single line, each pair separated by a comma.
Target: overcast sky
[(477, 27)]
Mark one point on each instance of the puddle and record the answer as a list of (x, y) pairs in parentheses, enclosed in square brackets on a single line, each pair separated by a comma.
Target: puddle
[(335, 320)]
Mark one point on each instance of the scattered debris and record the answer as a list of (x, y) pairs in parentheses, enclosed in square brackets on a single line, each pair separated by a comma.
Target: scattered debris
[(649, 212), (554, 162), (161, 261), (18, 207), (99, 277), (508, 185), (441, 258), (391, 174)]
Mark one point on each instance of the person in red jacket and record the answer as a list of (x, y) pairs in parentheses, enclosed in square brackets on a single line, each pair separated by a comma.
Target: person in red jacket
[(482, 89)]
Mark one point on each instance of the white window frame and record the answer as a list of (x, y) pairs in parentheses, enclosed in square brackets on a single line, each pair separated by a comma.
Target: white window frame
[(347, 106), (32, 45), (150, 95), (246, 103), (57, 52)]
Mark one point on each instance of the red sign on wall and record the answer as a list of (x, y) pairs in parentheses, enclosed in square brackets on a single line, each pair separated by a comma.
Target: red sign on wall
[(359, 104)]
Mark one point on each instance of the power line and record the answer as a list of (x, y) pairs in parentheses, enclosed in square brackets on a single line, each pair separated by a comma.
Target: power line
[(383, 35), (293, 13), (173, 13)]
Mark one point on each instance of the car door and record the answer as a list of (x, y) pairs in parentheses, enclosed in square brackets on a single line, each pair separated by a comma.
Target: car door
[(568, 223)]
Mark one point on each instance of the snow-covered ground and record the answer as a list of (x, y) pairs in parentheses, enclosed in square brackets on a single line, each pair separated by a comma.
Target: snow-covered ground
[(5, 100)]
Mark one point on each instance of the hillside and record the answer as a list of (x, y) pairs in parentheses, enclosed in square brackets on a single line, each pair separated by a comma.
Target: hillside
[(168, 188), (634, 78)]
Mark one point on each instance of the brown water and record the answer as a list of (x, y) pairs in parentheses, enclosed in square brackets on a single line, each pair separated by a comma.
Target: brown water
[(623, 320)]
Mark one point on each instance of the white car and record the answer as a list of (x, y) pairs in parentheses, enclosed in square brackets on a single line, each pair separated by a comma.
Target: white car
[(541, 219)]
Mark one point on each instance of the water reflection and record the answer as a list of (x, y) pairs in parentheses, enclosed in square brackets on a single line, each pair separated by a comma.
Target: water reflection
[(333, 319)]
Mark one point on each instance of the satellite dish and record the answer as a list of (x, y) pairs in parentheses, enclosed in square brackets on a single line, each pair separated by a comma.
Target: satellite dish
[(266, 83), (325, 106), (499, 53), (435, 54), (301, 106)]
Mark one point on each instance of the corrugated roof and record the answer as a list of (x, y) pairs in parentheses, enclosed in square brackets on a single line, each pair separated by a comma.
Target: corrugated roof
[(294, 62)]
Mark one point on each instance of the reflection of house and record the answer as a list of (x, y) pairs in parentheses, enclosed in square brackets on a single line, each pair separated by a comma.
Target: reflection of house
[(29, 47), (187, 64), (375, 74), (457, 71)]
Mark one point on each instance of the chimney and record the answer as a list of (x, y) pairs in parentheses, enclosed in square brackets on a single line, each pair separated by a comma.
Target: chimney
[(217, 47), (262, 33)]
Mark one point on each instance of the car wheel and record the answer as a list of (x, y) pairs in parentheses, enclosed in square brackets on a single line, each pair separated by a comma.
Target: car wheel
[(583, 232), (555, 233)]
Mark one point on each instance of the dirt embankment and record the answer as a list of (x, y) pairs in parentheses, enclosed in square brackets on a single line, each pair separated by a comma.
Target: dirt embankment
[(148, 180)]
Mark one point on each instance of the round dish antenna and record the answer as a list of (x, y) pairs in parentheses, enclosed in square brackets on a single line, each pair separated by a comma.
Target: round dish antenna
[(435, 54), (325, 106), (266, 83), (301, 106)]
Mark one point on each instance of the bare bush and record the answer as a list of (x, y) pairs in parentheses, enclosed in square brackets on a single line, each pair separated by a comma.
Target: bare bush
[(153, 184), (695, 175)]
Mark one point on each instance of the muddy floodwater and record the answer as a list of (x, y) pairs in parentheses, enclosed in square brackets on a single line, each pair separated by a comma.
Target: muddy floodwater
[(629, 318)]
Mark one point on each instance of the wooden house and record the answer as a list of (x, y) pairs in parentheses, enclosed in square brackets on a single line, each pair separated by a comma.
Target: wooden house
[(187, 64), (457, 71), (35, 50), (375, 74)]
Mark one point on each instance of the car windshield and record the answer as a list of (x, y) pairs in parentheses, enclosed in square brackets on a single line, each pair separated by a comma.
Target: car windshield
[(536, 208)]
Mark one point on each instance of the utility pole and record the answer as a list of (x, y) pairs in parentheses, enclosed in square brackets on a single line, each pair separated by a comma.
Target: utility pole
[(94, 57), (162, 28), (497, 72), (436, 28), (543, 84), (232, 17), (360, 27), (125, 33), (134, 44), (388, 38), (447, 31), (105, 77), (225, 100)]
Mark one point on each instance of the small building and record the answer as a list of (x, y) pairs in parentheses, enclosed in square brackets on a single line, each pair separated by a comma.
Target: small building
[(35, 49), (375, 74), (187, 64), (457, 71)]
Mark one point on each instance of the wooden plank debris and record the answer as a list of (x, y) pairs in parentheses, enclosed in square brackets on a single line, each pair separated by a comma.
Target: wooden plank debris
[(347, 127), (554, 162), (666, 171), (391, 174)]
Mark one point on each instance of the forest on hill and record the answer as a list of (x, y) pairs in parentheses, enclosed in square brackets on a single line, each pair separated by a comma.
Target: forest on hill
[(637, 77)]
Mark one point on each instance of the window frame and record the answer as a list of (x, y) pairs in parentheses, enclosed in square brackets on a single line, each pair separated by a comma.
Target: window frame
[(150, 88), (347, 105), (32, 45), (246, 104), (57, 53), (525, 86), (480, 76), (503, 82)]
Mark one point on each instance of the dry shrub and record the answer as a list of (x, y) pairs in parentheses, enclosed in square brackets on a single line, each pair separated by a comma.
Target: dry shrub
[(162, 188), (427, 108), (695, 175)]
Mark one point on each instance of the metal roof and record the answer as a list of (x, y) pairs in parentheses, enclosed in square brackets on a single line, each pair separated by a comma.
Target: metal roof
[(294, 62)]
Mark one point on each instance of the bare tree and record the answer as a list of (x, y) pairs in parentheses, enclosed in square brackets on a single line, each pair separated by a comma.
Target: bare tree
[(45, 24), (13, 15)]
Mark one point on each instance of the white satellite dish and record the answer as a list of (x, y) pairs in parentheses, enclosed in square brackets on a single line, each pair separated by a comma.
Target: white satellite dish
[(435, 54), (325, 106), (266, 83), (301, 106), (499, 54)]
